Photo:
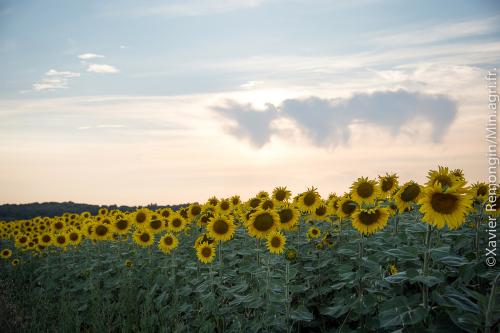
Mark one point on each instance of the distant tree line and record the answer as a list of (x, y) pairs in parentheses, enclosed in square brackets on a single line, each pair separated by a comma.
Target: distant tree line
[(10, 212)]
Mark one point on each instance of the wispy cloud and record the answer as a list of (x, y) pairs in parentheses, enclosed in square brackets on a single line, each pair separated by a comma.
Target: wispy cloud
[(88, 56), (102, 68), (54, 80), (101, 126), (326, 122)]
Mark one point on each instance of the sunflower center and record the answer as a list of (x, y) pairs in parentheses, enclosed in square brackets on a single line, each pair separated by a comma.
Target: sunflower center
[(314, 231), (168, 241), (213, 202), (73, 236), (254, 202), (387, 184), (45, 238), (101, 230), (276, 242), (235, 201), (61, 239), (483, 190), (221, 227), (140, 217), (165, 213), (268, 204), (122, 224), (145, 237), (286, 215), (365, 190), (155, 224), (224, 205), (280, 195), (309, 199), (195, 210), (263, 222), (58, 225), (348, 207), (410, 193), (444, 203), (184, 213), (206, 252), (368, 218), (177, 223), (320, 211)]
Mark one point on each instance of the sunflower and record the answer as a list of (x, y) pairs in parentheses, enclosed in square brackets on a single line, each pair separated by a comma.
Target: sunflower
[(165, 212), (201, 239), (347, 206), (479, 191), (388, 184), (46, 239), (459, 174), (289, 217), (281, 194), (254, 203), (206, 252), (184, 213), (194, 210), (443, 205), (128, 263), (368, 221), (321, 212), (235, 200), (141, 217), (407, 195), (263, 195), (61, 240), (393, 269), (15, 262), (267, 204), (168, 242), (204, 219), (102, 231), (102, 211), (143, 237), (6, 253), (309, 200), (155, 224), (291, 254), (221, 228), (224, 206), (74, 237), (58, 225), (121, 225), (276, 242), (176, 223), (442, 176), (262, 223), (313, 232), (212, 202), (364, 190), (333, 203)]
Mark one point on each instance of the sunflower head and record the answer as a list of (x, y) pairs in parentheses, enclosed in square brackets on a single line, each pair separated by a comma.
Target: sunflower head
[(6, 253), (313, 232), (346, 206), (442, 176), (206, 252), (262, 222), (407, 196), (309, 200), (365, 191), (129, 263), (194, 210), (15, 262), (388, 183), (281, 194), (235, 200), (291, 254), (167, 243), (289, 217), (369, 221), (276, 242), (143, 237), (224, 206), (221, 228)]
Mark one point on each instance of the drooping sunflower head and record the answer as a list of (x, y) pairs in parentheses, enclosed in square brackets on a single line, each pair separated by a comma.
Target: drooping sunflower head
[(184, 212), (167, 243), (204, 219), (289, 217), (291, 254), (143, 237), (407, 196), (129, 263), (276, 242), (442, 176), (202, 239), (262, 222), (347, 206), (388, 183), (221, 228), (309, 200), (313, 232), (445, 206), (365, 191), (369, 221), (321, 212), (206, 252), (267, 204), (281, 194), (479, 191)]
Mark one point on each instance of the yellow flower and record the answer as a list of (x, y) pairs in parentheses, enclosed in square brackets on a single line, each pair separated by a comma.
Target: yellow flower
[(221, 228), (281, 194), (388, 183), (368, 221), (309, 200), (313, 232), (407, 196), (6, 253), (176, 223), (347, 206), (167, 243), (206, 252), (141, 217), (289, 217), (128, 263), (365, 191), (262, 223), (143, 237), (276, 242)]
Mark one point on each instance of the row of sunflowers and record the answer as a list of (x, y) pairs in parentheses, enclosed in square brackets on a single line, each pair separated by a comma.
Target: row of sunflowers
[(444, 201)]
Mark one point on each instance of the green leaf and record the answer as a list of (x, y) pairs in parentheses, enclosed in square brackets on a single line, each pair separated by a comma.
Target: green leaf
[(301, 314), (334, 311), (451, 260), (397, 278)]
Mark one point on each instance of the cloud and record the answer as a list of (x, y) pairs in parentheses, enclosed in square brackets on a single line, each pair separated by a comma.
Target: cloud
[(102, 68), (54, 80), (326, 122), (88, 56), (247, 122), (251, 84), (100, 126)]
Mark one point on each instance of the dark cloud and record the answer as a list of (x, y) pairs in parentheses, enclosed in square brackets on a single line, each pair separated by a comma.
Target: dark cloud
[(326, 121)]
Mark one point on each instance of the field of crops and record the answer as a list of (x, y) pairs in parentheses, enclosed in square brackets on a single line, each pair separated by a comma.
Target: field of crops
[(383, 257)]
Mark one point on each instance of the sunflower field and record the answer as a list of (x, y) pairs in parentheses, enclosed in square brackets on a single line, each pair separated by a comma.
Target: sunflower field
[(383, 257)]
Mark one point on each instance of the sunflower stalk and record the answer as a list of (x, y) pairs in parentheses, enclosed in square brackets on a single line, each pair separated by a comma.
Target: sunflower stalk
[(287, 302), (491, 303), (361, 266), (425, 268)]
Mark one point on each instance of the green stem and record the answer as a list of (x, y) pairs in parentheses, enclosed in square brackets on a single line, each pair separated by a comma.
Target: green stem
[(287, 302), (361, 266), (491, 303), (425, 268)]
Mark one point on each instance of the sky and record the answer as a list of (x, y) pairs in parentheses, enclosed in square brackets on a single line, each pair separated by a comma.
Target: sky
[(138, 102)]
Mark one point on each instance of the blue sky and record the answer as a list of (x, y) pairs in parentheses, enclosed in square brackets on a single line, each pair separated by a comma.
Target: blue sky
[(217, 97)]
